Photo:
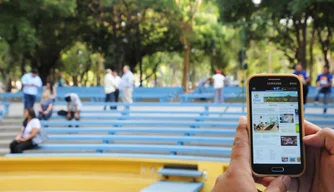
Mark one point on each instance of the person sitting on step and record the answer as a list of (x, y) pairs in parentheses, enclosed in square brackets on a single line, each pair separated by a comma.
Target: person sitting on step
[(46, 106), (24, 139), (74, 106)]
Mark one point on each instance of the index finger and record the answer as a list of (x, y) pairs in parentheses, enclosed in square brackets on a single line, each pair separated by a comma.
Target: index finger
[(240, 156)]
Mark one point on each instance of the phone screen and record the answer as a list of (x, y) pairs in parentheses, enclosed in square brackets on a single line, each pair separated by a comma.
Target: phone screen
[(276, 123)]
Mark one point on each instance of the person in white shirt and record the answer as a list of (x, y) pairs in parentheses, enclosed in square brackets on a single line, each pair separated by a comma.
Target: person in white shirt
[(74, 106), (118, 82), (126, 85), (31, 82), (109, 87), (24, 139), (218, 85)]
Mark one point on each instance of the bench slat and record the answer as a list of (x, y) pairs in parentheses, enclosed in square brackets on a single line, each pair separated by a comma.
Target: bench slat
[(175, 118), (141, 130), (222, 113), (128, 147), (143, 138), (168, 186), (180, 172), (125, 155), (127, 123)]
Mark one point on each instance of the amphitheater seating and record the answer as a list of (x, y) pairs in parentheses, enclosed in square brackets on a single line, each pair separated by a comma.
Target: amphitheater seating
[(203, 134), (138, 123), (137, 130), (95, 94), (121, 155), (229, 92), (97, 113), (164, 118), (135, 138)]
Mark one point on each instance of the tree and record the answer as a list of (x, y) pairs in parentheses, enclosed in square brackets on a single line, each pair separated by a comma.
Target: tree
[(289, 23), (128, 30), (76, 61), (38, 30)]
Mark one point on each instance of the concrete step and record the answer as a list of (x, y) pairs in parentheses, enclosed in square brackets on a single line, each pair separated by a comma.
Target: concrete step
[(4, 151), (4, 135)]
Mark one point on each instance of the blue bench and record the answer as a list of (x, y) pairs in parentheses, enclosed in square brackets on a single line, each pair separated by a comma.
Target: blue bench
[(206, 106), (165, 118), (167, 130), (126, 123), (5, 109), (172, 149), (123, 155), (97, 93), (189, 97), (201, 113), (109, 138), (168, 186)]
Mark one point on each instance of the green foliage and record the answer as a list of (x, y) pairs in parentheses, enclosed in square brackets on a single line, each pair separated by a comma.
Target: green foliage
[(5, 57), (75, 59), (150, 36)]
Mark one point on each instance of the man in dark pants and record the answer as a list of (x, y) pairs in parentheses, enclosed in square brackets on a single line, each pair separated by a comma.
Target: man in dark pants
[(304, 78), (117, 82), (324, 84), (31, 82)]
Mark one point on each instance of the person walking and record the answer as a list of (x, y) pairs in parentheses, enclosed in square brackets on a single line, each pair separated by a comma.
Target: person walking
[(304, 78), (126, 85), (109, 87), (31, 82), (118, 82), (218, 85), (324, 84)]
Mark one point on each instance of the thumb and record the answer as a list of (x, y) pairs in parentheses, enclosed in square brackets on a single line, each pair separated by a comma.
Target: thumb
[(279, 184)]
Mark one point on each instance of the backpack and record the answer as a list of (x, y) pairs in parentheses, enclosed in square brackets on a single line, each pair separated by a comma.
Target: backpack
[(41, 137), (62, 113)]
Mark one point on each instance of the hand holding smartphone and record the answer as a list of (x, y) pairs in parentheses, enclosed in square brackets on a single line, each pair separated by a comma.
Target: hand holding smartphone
[(275, 122)]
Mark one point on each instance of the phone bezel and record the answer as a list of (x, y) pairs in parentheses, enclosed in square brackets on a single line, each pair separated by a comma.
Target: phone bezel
[(289, 169)]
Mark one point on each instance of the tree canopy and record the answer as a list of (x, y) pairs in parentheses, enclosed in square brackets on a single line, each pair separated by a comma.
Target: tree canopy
[(187, 39)]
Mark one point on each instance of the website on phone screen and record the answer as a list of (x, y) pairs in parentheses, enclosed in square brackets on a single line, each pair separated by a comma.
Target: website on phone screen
[(275, 124)]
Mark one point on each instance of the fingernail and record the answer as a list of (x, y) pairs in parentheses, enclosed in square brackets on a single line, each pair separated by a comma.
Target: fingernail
[(286, 180), (242, 119)]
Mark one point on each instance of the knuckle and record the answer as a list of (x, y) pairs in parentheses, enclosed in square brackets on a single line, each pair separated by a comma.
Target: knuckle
[(240, 143)]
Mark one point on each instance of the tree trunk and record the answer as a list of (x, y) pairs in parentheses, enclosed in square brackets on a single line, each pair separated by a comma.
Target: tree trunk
[(22, 66), (311, 62), (155, 79), (304, 42), (75, 80), (300, 31), (141, 73), (98, 80), (186, 66)]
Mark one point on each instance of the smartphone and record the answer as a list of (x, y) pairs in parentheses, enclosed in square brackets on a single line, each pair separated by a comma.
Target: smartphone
[(275, 120)]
